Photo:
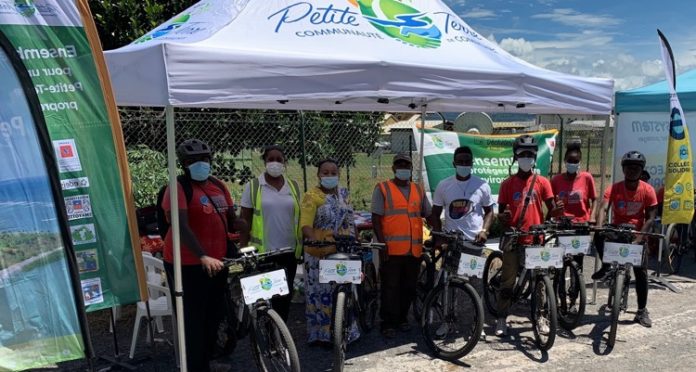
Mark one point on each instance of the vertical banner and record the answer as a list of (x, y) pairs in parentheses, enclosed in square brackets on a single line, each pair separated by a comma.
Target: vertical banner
[(55, 40), (679, 177), (492, 155), (41, 317)]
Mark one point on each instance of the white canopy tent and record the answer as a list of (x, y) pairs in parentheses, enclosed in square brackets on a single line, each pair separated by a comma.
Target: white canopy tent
[(334, 55)]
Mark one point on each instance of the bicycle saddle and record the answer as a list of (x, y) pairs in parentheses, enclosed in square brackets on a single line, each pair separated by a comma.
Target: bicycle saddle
[(342, 256)]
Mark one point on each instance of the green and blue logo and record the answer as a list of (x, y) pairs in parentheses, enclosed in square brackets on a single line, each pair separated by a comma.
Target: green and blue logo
[(473, 263), (25, 7), (437, 141), (575, 243), (545, 255), (623, 251), (266, 283), (341, 269), (401, 22), (175, 24)]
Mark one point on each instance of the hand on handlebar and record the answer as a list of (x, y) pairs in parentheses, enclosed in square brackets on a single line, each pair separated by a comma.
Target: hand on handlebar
[(211, 265), (481, 237)]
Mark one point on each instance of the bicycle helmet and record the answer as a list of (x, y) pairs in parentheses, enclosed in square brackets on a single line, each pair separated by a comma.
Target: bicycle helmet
[(525, 142), (633, 158), (192, 148)]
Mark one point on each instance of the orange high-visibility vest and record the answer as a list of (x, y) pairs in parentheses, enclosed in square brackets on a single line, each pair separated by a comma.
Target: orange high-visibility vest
[(402, 224)]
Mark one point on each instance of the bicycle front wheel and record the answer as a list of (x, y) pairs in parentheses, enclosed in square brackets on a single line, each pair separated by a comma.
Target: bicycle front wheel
[(615, 303), (491, 282), (423, 285), (571, 293), (452, 320), (274, 347), (369, 299), (340, 338), (544, 315)]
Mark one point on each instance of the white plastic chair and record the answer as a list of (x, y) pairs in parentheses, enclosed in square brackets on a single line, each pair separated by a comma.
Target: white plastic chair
[(160, 302)]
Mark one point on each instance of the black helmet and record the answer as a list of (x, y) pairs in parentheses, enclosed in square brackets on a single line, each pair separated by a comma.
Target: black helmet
[(525, 142), (191, 148), (633, 158)]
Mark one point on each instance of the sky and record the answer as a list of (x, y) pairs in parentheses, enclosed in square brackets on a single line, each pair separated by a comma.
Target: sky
[(599, 38)]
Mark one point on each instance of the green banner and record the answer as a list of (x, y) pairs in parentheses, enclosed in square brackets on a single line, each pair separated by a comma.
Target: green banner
[(492, 155), (50, 39)]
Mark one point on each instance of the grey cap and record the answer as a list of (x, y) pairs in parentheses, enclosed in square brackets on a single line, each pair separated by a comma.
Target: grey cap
[(402, 156)]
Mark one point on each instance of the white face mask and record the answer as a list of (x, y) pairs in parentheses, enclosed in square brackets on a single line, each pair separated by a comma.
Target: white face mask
[(275, 169), (525, 164), (572, 168)]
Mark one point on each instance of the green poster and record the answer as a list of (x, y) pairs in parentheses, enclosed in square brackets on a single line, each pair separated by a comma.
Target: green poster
[(492, 155), (50, 39)]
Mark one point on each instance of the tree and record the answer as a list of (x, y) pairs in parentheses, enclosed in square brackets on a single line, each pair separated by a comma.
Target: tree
[(119, 22)]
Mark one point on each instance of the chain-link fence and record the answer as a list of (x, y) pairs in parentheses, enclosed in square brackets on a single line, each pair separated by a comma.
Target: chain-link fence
[(238, 138)]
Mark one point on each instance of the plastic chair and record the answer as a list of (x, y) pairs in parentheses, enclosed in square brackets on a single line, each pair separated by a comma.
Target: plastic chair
[(160, 302)]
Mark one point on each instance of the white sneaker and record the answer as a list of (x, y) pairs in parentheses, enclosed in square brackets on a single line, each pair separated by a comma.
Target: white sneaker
[(543, 325), (501, 327)]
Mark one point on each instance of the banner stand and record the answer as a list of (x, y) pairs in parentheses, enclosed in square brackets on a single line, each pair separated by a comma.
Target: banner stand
[(656, 276), (119, 360)]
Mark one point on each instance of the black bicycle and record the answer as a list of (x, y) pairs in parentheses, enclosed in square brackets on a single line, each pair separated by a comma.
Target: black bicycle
[(568, 281), (533, 278), (351, 271), (452, 319), (251, 284), (622, 256)]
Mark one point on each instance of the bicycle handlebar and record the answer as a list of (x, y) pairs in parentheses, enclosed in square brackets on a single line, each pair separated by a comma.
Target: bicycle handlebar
[(251, 253), (329, 243), (625, 229)]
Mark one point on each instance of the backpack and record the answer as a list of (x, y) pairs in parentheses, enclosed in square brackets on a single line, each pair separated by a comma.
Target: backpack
[(185, 182)]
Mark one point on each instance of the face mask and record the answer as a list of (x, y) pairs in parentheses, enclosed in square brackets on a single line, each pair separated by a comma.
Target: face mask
[(572, 168), (525, 164), (275, 169), (329, 183), (463, 170), (200, 170), (403, 174)]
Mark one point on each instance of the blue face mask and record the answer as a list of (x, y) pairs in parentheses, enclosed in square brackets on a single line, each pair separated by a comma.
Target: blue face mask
[(329, 183), (200, 170), (403, 174), (572, 168), (463, 170)]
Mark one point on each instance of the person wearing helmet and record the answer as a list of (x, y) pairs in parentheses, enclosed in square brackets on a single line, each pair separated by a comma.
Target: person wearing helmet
[(204, 222), (634, 202), (512, 198)]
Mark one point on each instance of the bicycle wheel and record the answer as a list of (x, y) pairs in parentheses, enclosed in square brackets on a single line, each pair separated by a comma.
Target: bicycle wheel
[(340, 325), (273, 345), (452, 331), (423, 286), (544, 316), (615, 303), (369, 299), (571, 295), (491, 281)]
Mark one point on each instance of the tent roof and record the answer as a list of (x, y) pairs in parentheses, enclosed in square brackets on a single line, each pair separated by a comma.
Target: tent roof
[(343, 55), (655, 98)]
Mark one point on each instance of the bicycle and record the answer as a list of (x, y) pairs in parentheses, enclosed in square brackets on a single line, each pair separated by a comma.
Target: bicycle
[(351, 271), (569, 281), (532, 279), (251, 284), (621, 256), (453, 309)]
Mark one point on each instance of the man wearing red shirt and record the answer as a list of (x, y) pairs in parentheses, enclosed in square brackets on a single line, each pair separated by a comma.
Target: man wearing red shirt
[(204, 222), (575, 188), (511, 200), (634, 202)]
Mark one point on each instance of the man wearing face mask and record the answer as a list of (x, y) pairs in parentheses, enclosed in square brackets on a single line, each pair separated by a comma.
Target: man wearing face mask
[(519, 212), (574, 187), (398, 209), (204, 222), (466, 200)]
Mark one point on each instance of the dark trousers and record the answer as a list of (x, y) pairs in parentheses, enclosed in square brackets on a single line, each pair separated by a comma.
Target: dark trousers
[(288, 262), (640, 273), (399, 276), (203, 310)]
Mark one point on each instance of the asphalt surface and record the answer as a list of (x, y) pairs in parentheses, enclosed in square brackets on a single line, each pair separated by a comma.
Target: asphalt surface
[(669, 344)]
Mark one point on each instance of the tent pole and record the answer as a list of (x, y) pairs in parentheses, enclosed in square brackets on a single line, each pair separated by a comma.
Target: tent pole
[(602, 178), (176, 237), (303, 145), (421, 162)]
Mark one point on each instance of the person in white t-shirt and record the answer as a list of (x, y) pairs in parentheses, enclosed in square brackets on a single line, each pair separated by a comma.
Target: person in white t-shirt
[(466, 200)]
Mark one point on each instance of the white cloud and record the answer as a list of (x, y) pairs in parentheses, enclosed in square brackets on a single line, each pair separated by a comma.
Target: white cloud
[(570, 17), (479, 13), (652, 68)]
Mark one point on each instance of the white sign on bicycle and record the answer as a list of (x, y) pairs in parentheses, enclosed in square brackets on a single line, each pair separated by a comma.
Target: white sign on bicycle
[(574, 245), (471, 266), (340, 271), (543, 257), (623, 253), (264, 286)]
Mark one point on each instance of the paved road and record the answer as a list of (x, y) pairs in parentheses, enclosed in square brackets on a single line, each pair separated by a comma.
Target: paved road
[(669, 344)]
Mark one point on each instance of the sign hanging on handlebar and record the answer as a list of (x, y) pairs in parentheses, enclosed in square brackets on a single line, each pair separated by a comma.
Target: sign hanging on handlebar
[(264, 286), (575, 244), (543, 257), (622, 253)]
